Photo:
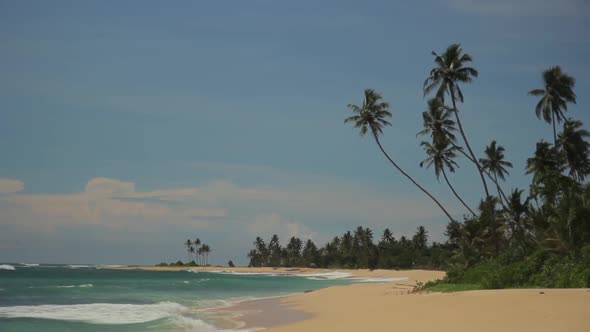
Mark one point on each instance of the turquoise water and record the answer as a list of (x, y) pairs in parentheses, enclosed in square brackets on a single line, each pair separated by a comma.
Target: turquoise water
[(87, 298)]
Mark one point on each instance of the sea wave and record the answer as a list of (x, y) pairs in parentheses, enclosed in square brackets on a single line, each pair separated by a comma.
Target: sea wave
[(74, 266), (29, 264), (7, 267), (76, 286), (378, 279), (97, 313), (113, 314)]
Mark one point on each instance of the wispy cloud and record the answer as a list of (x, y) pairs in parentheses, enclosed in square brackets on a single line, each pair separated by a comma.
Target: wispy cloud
[(549, 8)]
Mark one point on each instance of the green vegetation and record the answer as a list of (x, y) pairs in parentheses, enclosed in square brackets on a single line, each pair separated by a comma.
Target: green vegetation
[(193, 248), (537, 238)]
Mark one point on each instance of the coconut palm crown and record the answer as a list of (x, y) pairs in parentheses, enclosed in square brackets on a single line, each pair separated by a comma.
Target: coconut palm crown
[(558, 91)]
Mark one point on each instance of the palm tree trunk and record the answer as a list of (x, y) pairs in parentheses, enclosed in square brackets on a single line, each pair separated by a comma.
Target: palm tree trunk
[(454, 192), (479, 169), (554, 130), (410, 178), (499, 190), (474, 159)]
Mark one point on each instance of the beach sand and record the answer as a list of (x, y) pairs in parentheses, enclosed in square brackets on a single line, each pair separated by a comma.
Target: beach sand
[(393, 306), (389, 307)]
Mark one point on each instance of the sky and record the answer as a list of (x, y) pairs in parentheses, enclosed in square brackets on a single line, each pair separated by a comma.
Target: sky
[(127, 127)]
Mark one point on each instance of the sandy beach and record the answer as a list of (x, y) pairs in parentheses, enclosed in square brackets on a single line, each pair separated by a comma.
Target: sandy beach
[(395, 306)]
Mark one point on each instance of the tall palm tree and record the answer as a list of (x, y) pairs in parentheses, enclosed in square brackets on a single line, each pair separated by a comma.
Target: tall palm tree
[(557, 93), (188, 245), (572, 141), (450, 70), (206, 249), (495, 163), (437, 122), (441, 155), (372, 116), (197, 243)]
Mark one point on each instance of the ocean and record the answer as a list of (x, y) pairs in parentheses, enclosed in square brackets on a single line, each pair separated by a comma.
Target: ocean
[(43, 297)]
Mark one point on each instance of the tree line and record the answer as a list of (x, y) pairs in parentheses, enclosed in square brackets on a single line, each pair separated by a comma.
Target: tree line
[(356, 249)]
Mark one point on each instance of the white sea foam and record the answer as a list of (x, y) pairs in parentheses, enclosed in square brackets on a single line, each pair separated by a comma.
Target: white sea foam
[(7, 267), (326, 275), (76, 286), (74, 266), (112, 314), (390, 279), (97, 313), (29, 264)]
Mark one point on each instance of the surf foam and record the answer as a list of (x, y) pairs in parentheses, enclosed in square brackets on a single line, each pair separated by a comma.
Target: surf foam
[(97, 313), (7, 267)]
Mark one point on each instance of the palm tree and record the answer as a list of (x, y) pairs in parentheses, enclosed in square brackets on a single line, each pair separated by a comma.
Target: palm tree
[(372, 116), (387, 236), (437, 122), (188, 245), (192, 251), (557, 93), (197, 242), (495, 164), (575, 149), (546, 159), (450, 70), (206, 250), (441, 155)]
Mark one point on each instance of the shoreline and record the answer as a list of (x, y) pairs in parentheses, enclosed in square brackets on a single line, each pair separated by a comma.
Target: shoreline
[(386, 306)]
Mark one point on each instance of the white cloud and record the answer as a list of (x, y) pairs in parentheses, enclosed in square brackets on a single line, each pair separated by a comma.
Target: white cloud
[(550, 8), (8, 186), (268, 224)]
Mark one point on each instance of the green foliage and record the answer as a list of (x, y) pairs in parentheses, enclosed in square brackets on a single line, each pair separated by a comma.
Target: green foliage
[(230, 264)]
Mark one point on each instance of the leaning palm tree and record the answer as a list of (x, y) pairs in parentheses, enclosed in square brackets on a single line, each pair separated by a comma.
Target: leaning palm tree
[(372, 116), (495, 164), (450, 70), (441, 155), (575, 148), (557, 93), (546, 159)]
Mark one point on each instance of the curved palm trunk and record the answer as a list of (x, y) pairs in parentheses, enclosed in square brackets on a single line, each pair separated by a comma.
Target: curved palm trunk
[(474, 159), (479, 169), (411, 179), (554, 130), (454, 192), (499, 190)]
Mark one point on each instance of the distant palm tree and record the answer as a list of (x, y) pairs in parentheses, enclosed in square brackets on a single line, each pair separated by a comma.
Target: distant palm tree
[(441, 155), (387, 236), (495, 163), (199, 255), (188, 245), (575, 149), (197, 243), (206, 250), (192, 250), (372, 116), (557, 93), (450, 70)]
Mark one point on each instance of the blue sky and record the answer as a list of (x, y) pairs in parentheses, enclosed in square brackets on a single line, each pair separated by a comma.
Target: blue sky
[(126, 127)]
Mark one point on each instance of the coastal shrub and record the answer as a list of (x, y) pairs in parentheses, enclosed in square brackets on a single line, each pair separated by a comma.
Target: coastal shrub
[(230, 264), (162, 264)]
